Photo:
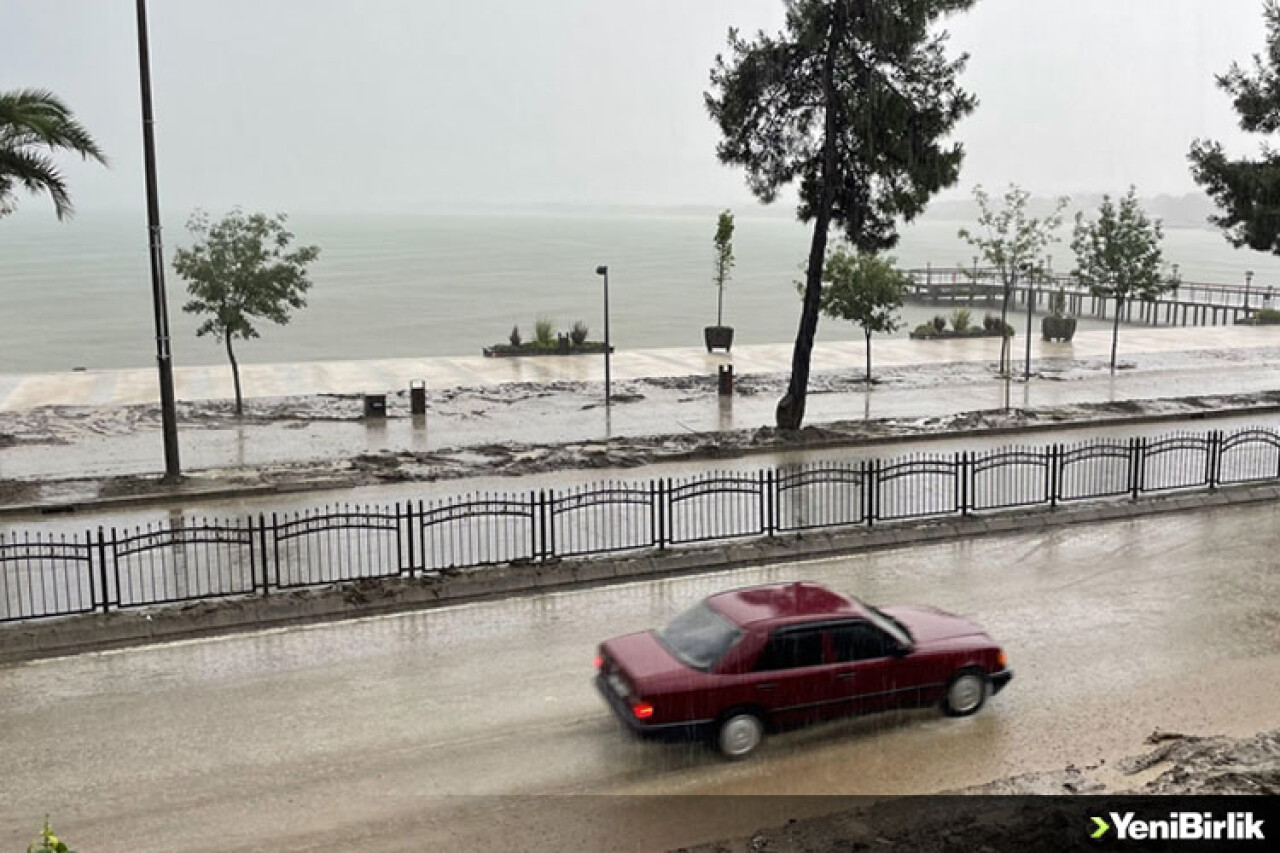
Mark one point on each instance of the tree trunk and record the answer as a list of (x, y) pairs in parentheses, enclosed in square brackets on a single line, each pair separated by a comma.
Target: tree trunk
[(1115, 331), (720, 298), (868, 333), (235, 375), (1004, 321), (790, 411)]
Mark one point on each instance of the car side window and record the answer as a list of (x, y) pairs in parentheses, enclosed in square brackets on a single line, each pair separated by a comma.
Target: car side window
[(859, 641), (791, 650)]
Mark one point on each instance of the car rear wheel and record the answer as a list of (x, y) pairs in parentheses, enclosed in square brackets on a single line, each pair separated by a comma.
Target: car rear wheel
[(739, 734), (966, 693)]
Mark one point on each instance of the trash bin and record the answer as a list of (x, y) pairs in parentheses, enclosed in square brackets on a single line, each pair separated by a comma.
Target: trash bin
[(726, 380), (375, 405), (417, 397)]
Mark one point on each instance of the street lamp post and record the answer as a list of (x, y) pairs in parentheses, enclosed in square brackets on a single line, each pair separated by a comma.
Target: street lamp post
[(604, 271), (164, 356), (1248, 280)]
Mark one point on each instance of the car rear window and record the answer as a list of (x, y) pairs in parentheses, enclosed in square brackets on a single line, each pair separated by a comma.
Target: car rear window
[(699, 637)]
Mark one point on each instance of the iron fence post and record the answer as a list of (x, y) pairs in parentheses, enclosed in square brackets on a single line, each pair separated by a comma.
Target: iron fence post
[(1137, 462), (1213, 458), (873, 491), (102, 569), (408, 535), (963, 484), (262, 551), (275, 545), (1055, 474), (548, 541), (653, 514), (115, 567), (664, 512)]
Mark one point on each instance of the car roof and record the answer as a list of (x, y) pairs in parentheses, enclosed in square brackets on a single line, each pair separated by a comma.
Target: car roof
[(783, 602)]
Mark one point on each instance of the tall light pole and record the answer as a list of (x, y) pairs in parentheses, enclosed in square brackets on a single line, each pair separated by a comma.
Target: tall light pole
[(1248, 280), (164, 358), (604, 271)]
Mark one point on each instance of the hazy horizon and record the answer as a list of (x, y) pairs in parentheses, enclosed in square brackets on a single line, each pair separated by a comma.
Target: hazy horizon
[(392, 106)]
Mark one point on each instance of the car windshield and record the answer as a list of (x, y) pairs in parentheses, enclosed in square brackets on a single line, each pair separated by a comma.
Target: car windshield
[(699, 637), (888, 624)]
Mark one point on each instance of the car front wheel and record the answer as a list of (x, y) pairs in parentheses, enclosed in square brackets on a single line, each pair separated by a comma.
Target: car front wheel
[(739, 734), (966, 693)]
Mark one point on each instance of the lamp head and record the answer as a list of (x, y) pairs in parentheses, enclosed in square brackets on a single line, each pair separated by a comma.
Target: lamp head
[(602, 270)]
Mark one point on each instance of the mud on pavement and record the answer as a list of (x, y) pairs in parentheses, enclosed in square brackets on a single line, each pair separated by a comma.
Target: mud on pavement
[(1023, 819)]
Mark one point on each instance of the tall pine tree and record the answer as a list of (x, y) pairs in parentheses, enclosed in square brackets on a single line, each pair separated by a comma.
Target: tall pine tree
[(853, 101), (1246, 191)]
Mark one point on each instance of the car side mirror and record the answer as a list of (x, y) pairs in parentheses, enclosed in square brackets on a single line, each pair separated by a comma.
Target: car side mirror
[(901, 650)]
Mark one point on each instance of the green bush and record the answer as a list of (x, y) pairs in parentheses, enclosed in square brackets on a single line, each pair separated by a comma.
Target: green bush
[(939, 322), (1267, 316), (514, 337), (544, 332), (925, 330), (578, 333), (48, 842), (960, 319)]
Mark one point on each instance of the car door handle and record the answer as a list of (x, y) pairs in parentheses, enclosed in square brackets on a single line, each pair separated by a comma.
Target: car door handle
[(768, 685), (846, 676)]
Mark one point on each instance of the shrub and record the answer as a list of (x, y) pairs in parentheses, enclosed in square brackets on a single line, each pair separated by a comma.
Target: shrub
[(926, 330), (939, 322), (991, 323), (578, 333), (1058, 302), (960, 320), (544, 332), (1268, 316), (48, 842), (514, 337)]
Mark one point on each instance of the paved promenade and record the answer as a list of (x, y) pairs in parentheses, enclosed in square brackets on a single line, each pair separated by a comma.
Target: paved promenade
[(205, 382)]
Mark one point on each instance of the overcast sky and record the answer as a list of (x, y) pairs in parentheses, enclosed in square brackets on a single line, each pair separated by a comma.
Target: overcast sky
[(403, 105)]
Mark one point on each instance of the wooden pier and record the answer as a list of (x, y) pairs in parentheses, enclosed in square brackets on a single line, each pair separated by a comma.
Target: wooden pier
[(1188, 304)]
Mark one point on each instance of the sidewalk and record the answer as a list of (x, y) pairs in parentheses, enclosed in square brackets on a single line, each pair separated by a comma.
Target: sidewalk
[(211, 382)]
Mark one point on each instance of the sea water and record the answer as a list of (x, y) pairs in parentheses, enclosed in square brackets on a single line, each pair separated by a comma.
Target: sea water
[(78, 293)]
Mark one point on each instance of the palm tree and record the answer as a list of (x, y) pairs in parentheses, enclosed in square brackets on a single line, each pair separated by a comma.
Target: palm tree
[(34, 124)]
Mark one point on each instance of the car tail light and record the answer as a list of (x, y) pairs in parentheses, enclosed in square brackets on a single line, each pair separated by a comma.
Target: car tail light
[(642, 710), (1001, 660), (598, 662)]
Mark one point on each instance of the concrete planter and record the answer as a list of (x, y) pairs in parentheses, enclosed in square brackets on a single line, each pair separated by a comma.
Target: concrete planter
[(1058, 328), (718, 337)]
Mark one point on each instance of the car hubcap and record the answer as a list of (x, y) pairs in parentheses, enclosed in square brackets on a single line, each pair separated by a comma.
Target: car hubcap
[(740, 735), (966, 693)]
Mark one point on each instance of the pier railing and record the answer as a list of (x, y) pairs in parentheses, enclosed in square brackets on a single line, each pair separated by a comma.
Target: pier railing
[(197, 559), (1187, 304)]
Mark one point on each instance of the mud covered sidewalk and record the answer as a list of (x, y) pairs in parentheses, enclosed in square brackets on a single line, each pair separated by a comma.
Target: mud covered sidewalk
[(1026, 820), (61, 455)]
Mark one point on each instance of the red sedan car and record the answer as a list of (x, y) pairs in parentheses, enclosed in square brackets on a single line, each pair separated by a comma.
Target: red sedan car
[(750, 660)]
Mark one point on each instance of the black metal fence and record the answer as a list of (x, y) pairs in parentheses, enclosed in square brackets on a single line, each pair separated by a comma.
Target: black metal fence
[(193, 559)]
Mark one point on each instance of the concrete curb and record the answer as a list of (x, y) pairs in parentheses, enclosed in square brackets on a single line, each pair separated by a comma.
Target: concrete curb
[(21, 641), (159, 497)]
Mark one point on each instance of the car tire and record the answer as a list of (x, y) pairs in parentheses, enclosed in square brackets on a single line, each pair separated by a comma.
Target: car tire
[(966, 693), (739, 734)]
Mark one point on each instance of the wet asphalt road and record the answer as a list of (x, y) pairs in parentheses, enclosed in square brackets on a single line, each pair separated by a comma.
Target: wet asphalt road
[(417, 730)]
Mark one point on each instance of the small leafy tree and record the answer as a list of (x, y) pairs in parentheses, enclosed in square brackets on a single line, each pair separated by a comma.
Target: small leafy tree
[(855, 102), (724, 260), (240, 270), (864, 289), (34, 123), (1118, 256), (48, 842), (1013, 243), (1246, 191)]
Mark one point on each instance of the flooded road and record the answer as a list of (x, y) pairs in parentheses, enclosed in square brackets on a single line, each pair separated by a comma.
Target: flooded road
[(419, 730)]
